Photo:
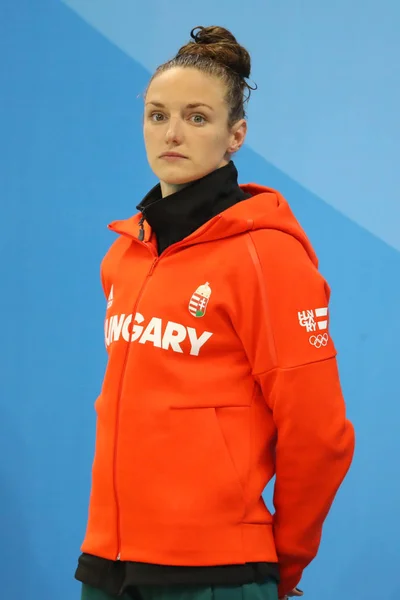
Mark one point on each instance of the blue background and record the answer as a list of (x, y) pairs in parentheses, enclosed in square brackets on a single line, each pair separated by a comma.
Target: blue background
[(324, 129)]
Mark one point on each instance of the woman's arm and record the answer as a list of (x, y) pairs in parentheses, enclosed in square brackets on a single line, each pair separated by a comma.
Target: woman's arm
[(286, 336)]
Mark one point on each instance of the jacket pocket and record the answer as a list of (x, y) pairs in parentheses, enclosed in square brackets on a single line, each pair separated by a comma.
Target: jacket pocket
[(201, 466)]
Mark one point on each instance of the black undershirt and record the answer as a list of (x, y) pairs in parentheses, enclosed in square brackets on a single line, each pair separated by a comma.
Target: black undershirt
[(172, 219)]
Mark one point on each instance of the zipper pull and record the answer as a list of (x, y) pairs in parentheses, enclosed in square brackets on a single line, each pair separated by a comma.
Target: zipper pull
[(141, 229)]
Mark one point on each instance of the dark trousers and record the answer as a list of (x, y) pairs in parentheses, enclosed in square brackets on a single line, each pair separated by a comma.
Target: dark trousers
[(250, 591)]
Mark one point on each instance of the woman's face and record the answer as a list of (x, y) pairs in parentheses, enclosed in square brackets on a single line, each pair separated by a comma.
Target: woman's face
[(186, 114)]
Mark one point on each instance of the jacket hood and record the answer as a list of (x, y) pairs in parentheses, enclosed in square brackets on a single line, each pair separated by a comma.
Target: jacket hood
[(265, 209)]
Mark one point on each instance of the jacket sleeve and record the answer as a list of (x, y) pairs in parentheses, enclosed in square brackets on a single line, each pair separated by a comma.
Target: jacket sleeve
[(286, 336)]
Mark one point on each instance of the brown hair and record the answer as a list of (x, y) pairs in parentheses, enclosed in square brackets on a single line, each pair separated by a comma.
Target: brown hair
[(215, 51)]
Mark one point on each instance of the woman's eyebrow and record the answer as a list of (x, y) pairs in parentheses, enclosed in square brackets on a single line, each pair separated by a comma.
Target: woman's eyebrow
[(197, 104), (191, 105)]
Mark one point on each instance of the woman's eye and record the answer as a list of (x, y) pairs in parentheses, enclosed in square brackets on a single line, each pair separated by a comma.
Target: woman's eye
[(157, 117), (198, 119)]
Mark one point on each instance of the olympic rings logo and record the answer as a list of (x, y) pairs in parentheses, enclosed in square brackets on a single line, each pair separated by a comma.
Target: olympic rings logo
[(319, 340)]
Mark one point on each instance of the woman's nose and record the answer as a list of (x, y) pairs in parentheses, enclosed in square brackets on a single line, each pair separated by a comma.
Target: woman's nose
[(174, 132)]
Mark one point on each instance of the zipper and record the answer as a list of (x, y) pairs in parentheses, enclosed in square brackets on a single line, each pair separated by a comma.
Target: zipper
[(118, 518), (184, 243), (141, 229), (156, 258)]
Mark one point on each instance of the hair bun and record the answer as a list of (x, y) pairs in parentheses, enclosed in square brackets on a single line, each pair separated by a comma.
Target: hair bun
[(220, 45), (212, 35)]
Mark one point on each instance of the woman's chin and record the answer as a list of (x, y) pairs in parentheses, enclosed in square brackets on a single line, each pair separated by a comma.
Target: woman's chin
[(176, 176), (179, 175)]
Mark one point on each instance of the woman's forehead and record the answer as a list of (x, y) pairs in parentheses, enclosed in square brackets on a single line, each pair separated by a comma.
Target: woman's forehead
[(187, 86)]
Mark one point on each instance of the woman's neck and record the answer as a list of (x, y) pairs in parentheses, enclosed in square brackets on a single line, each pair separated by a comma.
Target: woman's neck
[(170, 188)]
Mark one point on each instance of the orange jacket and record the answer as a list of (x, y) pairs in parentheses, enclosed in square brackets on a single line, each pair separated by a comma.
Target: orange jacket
[(221, 373)]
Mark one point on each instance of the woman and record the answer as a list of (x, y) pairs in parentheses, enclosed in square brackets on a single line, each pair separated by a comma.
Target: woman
[(221, 369)]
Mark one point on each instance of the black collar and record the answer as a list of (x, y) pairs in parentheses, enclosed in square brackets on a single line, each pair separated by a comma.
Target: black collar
[(178, 215)]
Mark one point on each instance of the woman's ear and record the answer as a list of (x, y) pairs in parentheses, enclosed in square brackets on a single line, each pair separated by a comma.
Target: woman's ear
[(239, 131)]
